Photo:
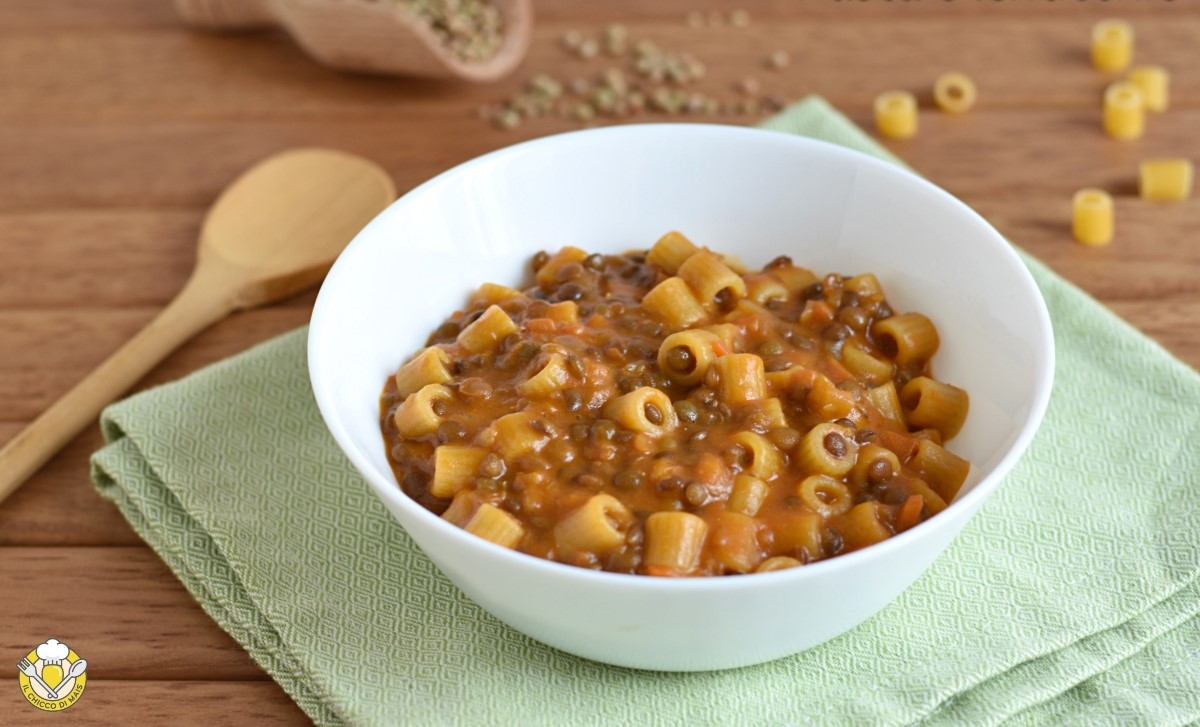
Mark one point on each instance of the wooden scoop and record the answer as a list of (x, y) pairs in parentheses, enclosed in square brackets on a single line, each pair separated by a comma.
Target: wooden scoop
[(374, 36), (274, 232)]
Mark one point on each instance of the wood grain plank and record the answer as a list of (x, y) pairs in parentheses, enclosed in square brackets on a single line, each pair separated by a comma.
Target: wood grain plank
[(58, 505), (135, 621), (173, 74), (38, 15), (120, 703), (47, 167), (51, 350)]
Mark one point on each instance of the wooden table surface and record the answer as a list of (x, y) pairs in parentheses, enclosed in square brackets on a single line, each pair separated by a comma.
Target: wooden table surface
[(118, 128)]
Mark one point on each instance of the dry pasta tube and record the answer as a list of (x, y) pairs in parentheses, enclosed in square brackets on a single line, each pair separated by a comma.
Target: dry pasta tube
[(1155, 84), (764, 459), (487, 331), (673, 302), (708, 276), (863, 525), (673, 543), (824, 495), (686, 356), (551, 378), (646, 409), (954, 93), (1092, 217), (896, 114), (1166, 180), (1112, 45), (598, 526), (934, 404), (1124, 115), (742, 378), (491, 523), (734, 542), (944, 471), (454, 468), (827, 449), (670, 251), (430, 366), (418, 415), (912, 337), (747, 495), (779, 562)]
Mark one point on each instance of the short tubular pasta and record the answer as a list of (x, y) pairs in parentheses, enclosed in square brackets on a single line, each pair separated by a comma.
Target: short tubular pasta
[(430, 366), (418, 415), (645, 409), (747, 495), (779, 562), (886, 401), (875, 465), (1112, 45), (486, 333), (597, 526), (670, 251), (763, 459), (686, 356), (896, 114), (872, 370), (491, 523), (827, 449), (708, 276), (1155, 84), (944, 471), (552, 377), (673, 543), (734, 542), (672, 413), (907, 338), (454, 467), (1166, 180), (1092, 216), (824, 495), (742, 378), (954, 93), (673, 302), (863, 525), (934, 404), (1124, 115)]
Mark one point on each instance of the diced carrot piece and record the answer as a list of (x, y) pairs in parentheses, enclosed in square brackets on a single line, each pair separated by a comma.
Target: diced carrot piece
[(910, 513)]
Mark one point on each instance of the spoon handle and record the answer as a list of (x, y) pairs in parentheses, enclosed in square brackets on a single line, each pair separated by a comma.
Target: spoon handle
[(203, 301), (227, 14)]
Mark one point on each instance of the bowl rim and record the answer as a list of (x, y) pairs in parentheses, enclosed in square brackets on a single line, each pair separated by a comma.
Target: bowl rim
[(390, 491)]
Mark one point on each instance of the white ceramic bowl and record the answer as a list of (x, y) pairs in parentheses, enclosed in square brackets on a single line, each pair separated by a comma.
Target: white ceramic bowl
[(755, 193)]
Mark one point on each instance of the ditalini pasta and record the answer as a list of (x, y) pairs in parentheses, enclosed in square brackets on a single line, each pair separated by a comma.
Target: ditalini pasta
[(1155, 84), (1166, 180), (1112, 45), (954, 93), (1092, 217), (896, 114), (671, 413), (1124, 114)]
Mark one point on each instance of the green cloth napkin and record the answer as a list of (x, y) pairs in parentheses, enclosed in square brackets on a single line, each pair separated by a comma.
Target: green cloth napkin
[(1073, 598)]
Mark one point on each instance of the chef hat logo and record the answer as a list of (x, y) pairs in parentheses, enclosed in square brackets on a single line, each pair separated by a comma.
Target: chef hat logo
[(52, 650)]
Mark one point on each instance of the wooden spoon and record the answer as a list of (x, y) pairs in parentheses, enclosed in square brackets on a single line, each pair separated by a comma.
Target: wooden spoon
[(274, 232), (374, 36)]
